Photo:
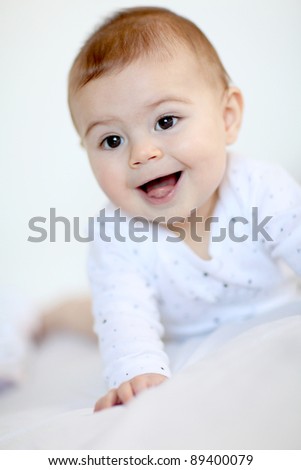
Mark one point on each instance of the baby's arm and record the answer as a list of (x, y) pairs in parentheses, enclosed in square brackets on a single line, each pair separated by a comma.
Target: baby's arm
[(126, 312), (282, 201), (127, 390)]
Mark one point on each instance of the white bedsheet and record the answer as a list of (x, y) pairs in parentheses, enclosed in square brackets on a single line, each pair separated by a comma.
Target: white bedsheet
[(242, 391)]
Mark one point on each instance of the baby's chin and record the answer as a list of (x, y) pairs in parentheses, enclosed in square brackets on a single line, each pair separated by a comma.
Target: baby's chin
[(163, 216)]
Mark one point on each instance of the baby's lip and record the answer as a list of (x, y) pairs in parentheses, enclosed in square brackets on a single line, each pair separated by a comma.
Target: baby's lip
[(149, 180), (160, 190)]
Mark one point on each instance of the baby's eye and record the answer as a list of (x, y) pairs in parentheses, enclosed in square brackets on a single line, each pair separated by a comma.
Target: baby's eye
[(111, 142), (166, 122)]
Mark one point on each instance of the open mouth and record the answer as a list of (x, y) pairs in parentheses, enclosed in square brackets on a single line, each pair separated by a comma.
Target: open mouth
[(160, 189)]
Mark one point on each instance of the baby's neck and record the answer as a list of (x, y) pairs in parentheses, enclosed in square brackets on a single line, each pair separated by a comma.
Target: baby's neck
[(196, 229)]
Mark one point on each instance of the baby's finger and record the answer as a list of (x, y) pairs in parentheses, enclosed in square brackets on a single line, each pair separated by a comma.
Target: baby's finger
[(125, 392), (110, 399), (144, 381), (139, 384)]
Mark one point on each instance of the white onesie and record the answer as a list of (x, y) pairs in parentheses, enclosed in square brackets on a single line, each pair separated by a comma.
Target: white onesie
[(157, 289)]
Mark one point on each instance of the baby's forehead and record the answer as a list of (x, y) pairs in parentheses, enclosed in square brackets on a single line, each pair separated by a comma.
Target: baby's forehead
[(154, 77), (161, 67), (139, 90)]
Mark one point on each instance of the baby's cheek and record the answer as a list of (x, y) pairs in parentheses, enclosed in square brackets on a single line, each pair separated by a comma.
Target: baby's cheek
[(190, 149), (102, 174), (114, 187)]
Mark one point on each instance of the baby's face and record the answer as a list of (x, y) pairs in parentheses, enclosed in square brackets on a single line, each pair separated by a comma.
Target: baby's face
[(156, 136)]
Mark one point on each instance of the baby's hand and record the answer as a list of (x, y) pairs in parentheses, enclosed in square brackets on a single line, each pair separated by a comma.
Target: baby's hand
[(127, 390)]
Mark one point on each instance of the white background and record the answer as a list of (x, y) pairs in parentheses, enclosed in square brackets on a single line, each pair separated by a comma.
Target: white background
[(42, 164)]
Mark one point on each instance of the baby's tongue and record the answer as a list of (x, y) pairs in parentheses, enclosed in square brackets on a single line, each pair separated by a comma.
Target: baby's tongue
[(160, 187)]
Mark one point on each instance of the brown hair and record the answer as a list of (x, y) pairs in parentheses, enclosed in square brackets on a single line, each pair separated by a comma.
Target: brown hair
[(142, 32)]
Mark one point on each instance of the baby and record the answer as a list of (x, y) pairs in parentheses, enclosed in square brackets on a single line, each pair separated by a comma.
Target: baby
[(221, 243)]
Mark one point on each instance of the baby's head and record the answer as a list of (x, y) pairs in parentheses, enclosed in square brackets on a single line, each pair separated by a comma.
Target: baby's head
[(146, 32), (154, 109)]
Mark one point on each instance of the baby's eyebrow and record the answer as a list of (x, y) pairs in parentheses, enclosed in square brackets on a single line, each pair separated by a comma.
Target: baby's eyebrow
[(152, 104), (98, 123), (168, 99)]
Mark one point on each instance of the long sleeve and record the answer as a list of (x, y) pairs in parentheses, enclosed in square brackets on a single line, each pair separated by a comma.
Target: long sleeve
[(286, 233), (127, 320), (282, 202)]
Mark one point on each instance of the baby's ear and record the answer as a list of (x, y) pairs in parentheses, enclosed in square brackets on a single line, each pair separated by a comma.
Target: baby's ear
[(233, 111)]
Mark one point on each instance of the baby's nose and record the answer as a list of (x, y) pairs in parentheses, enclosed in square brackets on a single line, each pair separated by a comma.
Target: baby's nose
[(141, 154)]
